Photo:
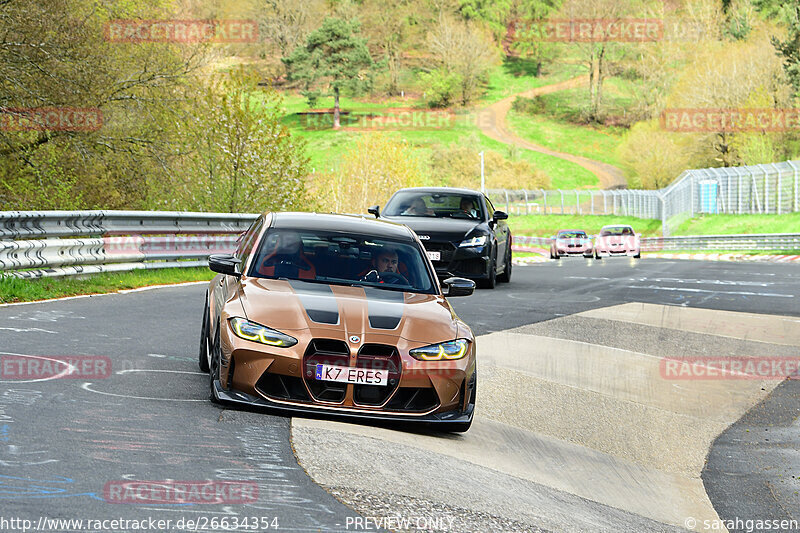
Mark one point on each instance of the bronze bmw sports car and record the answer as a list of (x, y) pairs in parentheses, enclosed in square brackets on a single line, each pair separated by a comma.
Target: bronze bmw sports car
[(341, 315)]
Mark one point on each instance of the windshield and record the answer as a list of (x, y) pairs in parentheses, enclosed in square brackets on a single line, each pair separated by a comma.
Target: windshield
[(607, 232), (440, 205), (572, 235), (341, 259)]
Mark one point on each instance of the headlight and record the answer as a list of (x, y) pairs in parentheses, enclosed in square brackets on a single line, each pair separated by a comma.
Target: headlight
[(445, 350), (474, 241), (257, 333)]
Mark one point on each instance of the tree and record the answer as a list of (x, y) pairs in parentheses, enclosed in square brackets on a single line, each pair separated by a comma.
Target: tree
[(494, 13), (53, 54), (789, 50), (369, 172), (392, 28), (334, 55), (460, 48), (531, 15), (239, 157)]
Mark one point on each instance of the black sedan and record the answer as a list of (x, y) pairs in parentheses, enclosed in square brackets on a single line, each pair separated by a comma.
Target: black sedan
[(464, 235)]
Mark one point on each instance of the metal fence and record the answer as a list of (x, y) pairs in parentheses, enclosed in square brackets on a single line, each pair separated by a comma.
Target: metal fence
[(765, 242), (759, 189), (61, 243)]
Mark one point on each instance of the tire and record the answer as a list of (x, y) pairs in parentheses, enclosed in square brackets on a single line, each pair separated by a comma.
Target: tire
[(597, 256), (556, 256), (638, 256), (505, 277), (213, 374), (492, 281), (203, 356)]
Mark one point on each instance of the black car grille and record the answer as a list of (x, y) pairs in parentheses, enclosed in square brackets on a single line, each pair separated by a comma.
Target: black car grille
[(414, 400), (279, 387), (470, 267), (447, 249), (377, 357), (326, 352)]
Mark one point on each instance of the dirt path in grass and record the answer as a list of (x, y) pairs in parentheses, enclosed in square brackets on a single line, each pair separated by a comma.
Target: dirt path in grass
[(494, 125)]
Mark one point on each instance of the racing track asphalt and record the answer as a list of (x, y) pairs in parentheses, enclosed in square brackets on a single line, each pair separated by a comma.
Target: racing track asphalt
[(62, 440)]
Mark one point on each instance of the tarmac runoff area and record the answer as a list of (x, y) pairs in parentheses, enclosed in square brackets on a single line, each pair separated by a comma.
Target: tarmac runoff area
[(577, 429)]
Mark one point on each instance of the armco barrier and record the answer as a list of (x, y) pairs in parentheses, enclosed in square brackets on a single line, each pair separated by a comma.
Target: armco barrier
[(111, 241), (752, 242), (63, 243)]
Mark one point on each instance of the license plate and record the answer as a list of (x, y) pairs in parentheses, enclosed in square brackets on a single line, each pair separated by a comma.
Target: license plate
[(357, 376), (434, 256)]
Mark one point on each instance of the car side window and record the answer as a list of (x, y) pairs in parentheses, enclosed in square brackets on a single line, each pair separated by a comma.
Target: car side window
[(490, 205), (247, 242)]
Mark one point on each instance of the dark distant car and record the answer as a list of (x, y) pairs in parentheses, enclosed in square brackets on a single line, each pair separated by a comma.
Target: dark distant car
[(570, 242), (463, 234), (617, 240), (337, 315)]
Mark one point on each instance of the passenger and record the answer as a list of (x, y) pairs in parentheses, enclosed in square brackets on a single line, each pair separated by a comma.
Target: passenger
[(418, 208)]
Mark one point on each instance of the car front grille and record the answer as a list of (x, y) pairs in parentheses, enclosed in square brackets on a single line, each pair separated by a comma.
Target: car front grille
[(377, 357), (325, 352), (447, 249)]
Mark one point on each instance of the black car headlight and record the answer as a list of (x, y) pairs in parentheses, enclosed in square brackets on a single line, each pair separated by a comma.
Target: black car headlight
[(451, 350), (250, 331), (480, 240)]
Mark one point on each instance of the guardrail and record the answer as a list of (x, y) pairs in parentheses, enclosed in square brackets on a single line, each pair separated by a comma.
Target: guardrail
[(110, 241), (63, 243), (768, 241)]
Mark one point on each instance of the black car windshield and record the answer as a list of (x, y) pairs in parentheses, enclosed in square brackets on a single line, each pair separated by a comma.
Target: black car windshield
[(607, 232), (571, 235), (341, 259), (435, 204)]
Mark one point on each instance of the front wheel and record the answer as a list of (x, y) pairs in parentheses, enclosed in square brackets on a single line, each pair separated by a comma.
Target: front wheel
[(492, 281), (213, 374), (203, 356), (505, 277), (597, 256)]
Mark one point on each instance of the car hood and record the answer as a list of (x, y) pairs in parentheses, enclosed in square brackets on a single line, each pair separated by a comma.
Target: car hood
[(449, 229), (332, 310)]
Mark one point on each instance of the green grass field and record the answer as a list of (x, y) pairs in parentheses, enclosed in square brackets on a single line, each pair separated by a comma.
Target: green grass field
[(325, 147), (24, 290), (733, 224), (547, 225)]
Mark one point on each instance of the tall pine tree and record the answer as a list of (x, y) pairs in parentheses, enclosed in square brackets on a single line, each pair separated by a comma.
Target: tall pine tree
[(333, 55)]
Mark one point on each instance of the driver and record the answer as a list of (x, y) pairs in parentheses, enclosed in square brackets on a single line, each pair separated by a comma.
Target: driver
[(385, 264), (385, 261), (468, 207), (287, 259)]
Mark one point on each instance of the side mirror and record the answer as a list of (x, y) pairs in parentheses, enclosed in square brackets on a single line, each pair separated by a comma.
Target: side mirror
[(459, 286), (500, 215), (224, 264), (375, 210)]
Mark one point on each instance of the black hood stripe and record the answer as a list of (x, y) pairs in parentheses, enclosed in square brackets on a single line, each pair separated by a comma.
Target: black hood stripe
[(318, 301), (385, 308)]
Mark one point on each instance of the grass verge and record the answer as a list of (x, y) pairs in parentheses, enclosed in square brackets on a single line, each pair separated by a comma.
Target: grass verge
[(548, 225), (733, 224), (29, 290)]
